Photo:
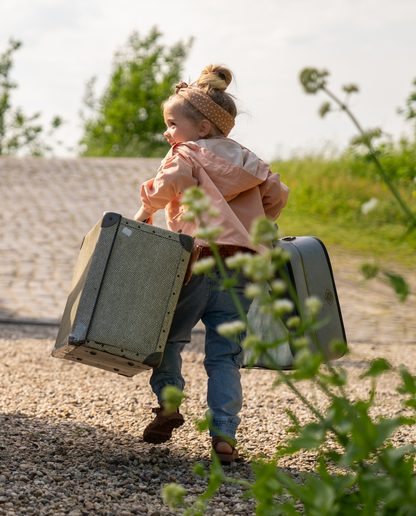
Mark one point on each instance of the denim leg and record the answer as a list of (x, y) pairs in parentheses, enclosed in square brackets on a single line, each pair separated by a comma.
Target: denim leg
[(223, 359), (189, 310)]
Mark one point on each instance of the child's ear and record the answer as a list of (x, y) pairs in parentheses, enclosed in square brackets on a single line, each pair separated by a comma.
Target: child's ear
[(204, 128)]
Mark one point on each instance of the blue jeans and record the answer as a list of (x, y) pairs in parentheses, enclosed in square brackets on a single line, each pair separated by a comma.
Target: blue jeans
[(202, 299)]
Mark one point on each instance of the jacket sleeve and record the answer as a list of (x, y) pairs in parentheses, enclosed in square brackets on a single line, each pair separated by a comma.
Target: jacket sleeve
[(274, 195), (173, 178)]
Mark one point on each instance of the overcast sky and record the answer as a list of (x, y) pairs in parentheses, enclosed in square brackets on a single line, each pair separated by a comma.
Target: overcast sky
[(265, 43)]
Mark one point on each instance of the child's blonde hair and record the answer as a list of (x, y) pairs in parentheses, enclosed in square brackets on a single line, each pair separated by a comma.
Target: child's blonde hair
[(213, 81)]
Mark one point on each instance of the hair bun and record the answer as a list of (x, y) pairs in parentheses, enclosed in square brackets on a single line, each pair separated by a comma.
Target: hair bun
[(214, 77), (180, 86)]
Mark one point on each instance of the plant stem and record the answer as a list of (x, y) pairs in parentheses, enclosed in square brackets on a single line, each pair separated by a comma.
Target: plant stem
[(234, 296), (409, 214)]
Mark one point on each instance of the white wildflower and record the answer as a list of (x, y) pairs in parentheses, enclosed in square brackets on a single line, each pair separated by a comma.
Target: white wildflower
[(196, 200), (250, 342), (209, 234), (231, 328), (237, 260), (204, 265), (300, 343), (282, 306), (278, 286), (264, 231), (201, 205), (369, 205), (188, 216), (293, 322), (252, 291), (259, 268), (313, 305), (173, 495)]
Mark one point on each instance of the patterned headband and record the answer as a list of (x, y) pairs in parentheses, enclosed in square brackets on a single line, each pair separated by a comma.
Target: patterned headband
[(203, 103)]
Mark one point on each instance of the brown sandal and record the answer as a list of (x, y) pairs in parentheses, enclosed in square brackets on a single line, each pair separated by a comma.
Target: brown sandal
[(160, 429), (225, 458)]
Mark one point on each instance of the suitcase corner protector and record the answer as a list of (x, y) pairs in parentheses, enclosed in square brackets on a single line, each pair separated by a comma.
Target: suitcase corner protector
[(109, 219), (153, 360), (74, 341), (186, 241)]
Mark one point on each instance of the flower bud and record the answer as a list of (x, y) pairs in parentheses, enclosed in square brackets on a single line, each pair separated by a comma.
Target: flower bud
[(231, 328), (313, 305), (278, 286), (204, 265), (282, 306), (252, 291)]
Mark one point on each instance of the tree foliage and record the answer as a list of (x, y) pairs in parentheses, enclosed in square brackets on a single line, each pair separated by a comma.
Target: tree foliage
[(127, 119), (19, 133), (410, 110)]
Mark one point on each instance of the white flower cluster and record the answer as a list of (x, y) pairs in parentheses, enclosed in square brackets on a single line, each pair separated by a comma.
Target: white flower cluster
[(251, 342), (197, 203), (282, 306), (238, 260), (259, 268), (209, 234), (313, 305), (264, 231), (278, 286), (293, 322), (204, 265), (253, 290), (231, 328), (300, 343)]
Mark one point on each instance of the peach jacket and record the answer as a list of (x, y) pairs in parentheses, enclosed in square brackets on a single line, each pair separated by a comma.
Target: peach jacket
[(240, 185)]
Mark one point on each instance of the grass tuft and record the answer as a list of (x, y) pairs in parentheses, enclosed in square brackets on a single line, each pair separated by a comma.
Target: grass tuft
[(327, 195)]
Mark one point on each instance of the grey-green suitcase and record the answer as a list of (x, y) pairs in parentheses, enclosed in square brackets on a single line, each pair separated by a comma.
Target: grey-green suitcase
[(123, 296), (309, 271)]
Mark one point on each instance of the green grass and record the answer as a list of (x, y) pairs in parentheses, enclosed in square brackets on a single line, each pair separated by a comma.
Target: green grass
[(325, 201)]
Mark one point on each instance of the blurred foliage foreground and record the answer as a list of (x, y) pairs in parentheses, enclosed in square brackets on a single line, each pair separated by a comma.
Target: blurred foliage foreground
[(343, 201), (358, 470)]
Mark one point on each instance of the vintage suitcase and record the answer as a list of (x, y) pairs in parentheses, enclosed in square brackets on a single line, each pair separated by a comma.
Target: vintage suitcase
[(310, 272), (123, 296)]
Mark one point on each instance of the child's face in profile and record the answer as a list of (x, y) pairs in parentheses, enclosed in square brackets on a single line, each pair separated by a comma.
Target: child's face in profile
[(179, 128)]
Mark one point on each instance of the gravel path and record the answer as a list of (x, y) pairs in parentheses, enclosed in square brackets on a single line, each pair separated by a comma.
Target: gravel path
[(70, 435)]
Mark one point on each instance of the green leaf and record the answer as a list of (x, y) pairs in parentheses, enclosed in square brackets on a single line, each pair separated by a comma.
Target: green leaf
[(408, 380), (351, 88), (399, 285), (199, 470), (369, 270), (324, 109), (378, 366), (367, 137), (172, 398)]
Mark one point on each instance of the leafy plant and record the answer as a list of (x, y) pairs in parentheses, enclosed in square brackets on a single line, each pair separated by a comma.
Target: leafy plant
[(19, 133), (410, 110), (127, 119), (358, 470), (314, 80)]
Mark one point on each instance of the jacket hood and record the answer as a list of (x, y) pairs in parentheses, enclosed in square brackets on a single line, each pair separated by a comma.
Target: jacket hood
[(231, 167)]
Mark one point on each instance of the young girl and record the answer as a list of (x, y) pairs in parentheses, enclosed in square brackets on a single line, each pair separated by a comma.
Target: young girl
[(198, 120)]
